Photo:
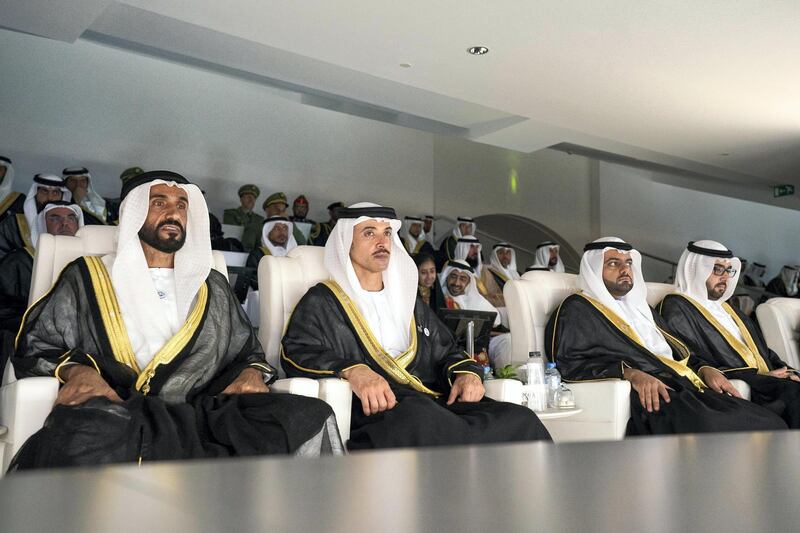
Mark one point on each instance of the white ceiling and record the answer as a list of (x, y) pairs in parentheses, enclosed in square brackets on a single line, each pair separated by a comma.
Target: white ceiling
[(677, 83)]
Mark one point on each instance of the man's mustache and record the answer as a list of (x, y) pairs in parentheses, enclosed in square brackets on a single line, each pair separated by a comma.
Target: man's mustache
[(171, 223), (381, 251)]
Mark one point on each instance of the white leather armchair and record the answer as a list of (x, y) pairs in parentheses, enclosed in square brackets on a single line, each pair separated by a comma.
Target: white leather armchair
[(779, 319), (24, 404), (605, 404), (282, 281)]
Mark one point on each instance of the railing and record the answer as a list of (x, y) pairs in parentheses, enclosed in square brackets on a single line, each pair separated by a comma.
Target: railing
[(525, 252)]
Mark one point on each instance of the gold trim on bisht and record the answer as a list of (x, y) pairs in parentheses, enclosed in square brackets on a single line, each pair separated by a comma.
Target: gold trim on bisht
[(394, 367), (118, 334), (679, 367), (747, 350), (24, 230), (498, 274), (177, 343), (111, 314), (8, 201)]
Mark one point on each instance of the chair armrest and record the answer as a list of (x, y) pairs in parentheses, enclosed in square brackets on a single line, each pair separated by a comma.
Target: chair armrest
[(742, 387), (605, 412), (24, 406), (603, 401), (338, 394), (300, 386), (504, 390)]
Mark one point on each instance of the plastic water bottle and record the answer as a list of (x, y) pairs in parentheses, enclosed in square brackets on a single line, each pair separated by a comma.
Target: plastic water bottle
[(553, 380), (537, 388)]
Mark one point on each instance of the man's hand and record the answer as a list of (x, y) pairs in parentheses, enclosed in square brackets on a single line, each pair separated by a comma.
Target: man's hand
[(249, 381), (784, 373), (81, 383), (374, 392), (466, 388), (717, 381), (649, 388)]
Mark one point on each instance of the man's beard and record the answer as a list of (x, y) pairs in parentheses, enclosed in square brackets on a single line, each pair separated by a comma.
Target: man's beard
[(715, 293), (454, 291), (169, 245), (473, 261), (620, 288)]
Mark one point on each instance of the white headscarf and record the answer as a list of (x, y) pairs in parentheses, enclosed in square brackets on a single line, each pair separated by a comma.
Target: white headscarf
[(542, 257), (755, 271), (92, 202), (142, 311), (694, 268), (509, 272), (411, 241), (41, 222), (789, 276), (8, 181), (400, 279), (29, 207), (633, 306), (291, 243), (472, 298), (463, 220), (463, 246)]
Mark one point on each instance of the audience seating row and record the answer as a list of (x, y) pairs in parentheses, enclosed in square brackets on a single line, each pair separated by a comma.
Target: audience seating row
[(605, 404), (24, 404)]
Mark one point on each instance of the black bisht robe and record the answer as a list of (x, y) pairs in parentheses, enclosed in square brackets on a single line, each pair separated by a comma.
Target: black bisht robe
[(16, 269), (323, 340), (90, 219), (422, 248), (436, 299), (14, 234), (714, 346), (173, 408), (12, 204), (446, 252), (588, 342), (777, 287)]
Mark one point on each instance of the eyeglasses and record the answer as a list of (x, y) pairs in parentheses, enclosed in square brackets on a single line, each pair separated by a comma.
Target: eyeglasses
[(720, 270)]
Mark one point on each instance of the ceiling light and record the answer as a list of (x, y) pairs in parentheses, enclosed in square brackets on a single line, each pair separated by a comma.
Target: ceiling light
[(405, 65), (478, 50)]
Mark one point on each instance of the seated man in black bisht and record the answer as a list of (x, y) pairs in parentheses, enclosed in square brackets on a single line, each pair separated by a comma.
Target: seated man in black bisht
[(19, 230), (412, 386), (277, 239), (721, 336), (785, 284), (16, 269), (607, 331), (155, 354)]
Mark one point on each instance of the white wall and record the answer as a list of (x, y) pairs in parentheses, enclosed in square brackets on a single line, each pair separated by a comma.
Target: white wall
[(87, 104), (106, 109), (661, 219), (552, 187)]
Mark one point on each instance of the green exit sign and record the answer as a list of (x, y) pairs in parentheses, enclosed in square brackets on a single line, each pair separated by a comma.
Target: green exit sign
[(783, 190)]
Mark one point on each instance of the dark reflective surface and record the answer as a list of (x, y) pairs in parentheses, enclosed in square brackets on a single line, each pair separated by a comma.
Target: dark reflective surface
[(724, 482)]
